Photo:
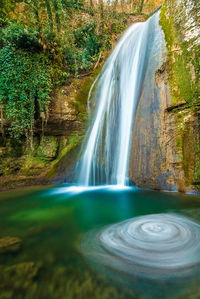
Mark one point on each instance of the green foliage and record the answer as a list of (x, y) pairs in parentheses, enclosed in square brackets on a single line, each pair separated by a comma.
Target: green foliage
[(75, 4), (86, 38), (82, 49), (43, 47), (21, 38), (88, 45), (24, 81), (5, 7), (3, 23)]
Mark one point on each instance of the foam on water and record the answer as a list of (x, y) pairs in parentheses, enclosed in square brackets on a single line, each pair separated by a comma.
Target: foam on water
[(156, 246), (76, 189)]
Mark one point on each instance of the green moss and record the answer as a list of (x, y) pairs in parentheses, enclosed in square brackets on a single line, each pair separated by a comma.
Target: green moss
[(80, 100), (197, 162), (32, 166), (197, 171), (37, 160), (196, 63), (182, 79), (189, 152), (179, 141), (180, 58), (73, 142), (48, 148), (179, 137), (166, 22)]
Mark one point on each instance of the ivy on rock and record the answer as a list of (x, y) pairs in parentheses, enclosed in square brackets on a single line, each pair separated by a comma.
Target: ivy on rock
[(25, 84)]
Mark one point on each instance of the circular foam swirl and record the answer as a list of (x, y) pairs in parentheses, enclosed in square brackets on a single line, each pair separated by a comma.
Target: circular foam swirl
[(157, 245)]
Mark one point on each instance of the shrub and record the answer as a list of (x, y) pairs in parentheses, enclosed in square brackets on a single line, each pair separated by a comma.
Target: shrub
[(21, 37), (75, 4), (84, 48)]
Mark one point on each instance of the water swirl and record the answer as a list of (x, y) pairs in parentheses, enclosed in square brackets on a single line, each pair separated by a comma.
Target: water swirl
[(156, 246)]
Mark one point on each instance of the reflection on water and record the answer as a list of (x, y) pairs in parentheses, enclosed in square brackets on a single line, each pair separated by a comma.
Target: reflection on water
[(50, 225)]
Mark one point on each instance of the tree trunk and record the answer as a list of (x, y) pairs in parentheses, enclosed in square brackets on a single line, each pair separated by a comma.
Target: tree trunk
[(101, 15), (57, 14), (140, 6), (49, 13), (36, 12)]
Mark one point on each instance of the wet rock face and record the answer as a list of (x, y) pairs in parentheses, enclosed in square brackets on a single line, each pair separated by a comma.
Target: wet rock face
[(57, 134), (188, 19), (165, 146), (166, 137), (9, 244), (148, 166), (151, 135)]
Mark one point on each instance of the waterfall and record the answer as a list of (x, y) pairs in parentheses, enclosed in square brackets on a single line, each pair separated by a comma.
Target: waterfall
[(113, 103)]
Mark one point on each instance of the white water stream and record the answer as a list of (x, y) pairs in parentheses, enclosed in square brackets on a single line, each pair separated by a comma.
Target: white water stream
[(115, 95)]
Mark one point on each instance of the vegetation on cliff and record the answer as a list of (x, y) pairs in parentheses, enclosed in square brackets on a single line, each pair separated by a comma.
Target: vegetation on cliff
[(182, 39), (179, 21), (42, 45)]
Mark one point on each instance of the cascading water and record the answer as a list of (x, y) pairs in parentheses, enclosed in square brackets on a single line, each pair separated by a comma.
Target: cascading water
[(117, 90)]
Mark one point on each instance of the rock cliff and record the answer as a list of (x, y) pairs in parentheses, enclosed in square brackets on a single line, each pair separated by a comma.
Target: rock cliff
[(55, 142), (166, 139)]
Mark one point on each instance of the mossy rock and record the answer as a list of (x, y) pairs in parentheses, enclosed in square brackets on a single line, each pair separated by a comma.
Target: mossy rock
[(19, 281), (9, 244), (28, 270), (47, 150), (66, 160), (183, 51)]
